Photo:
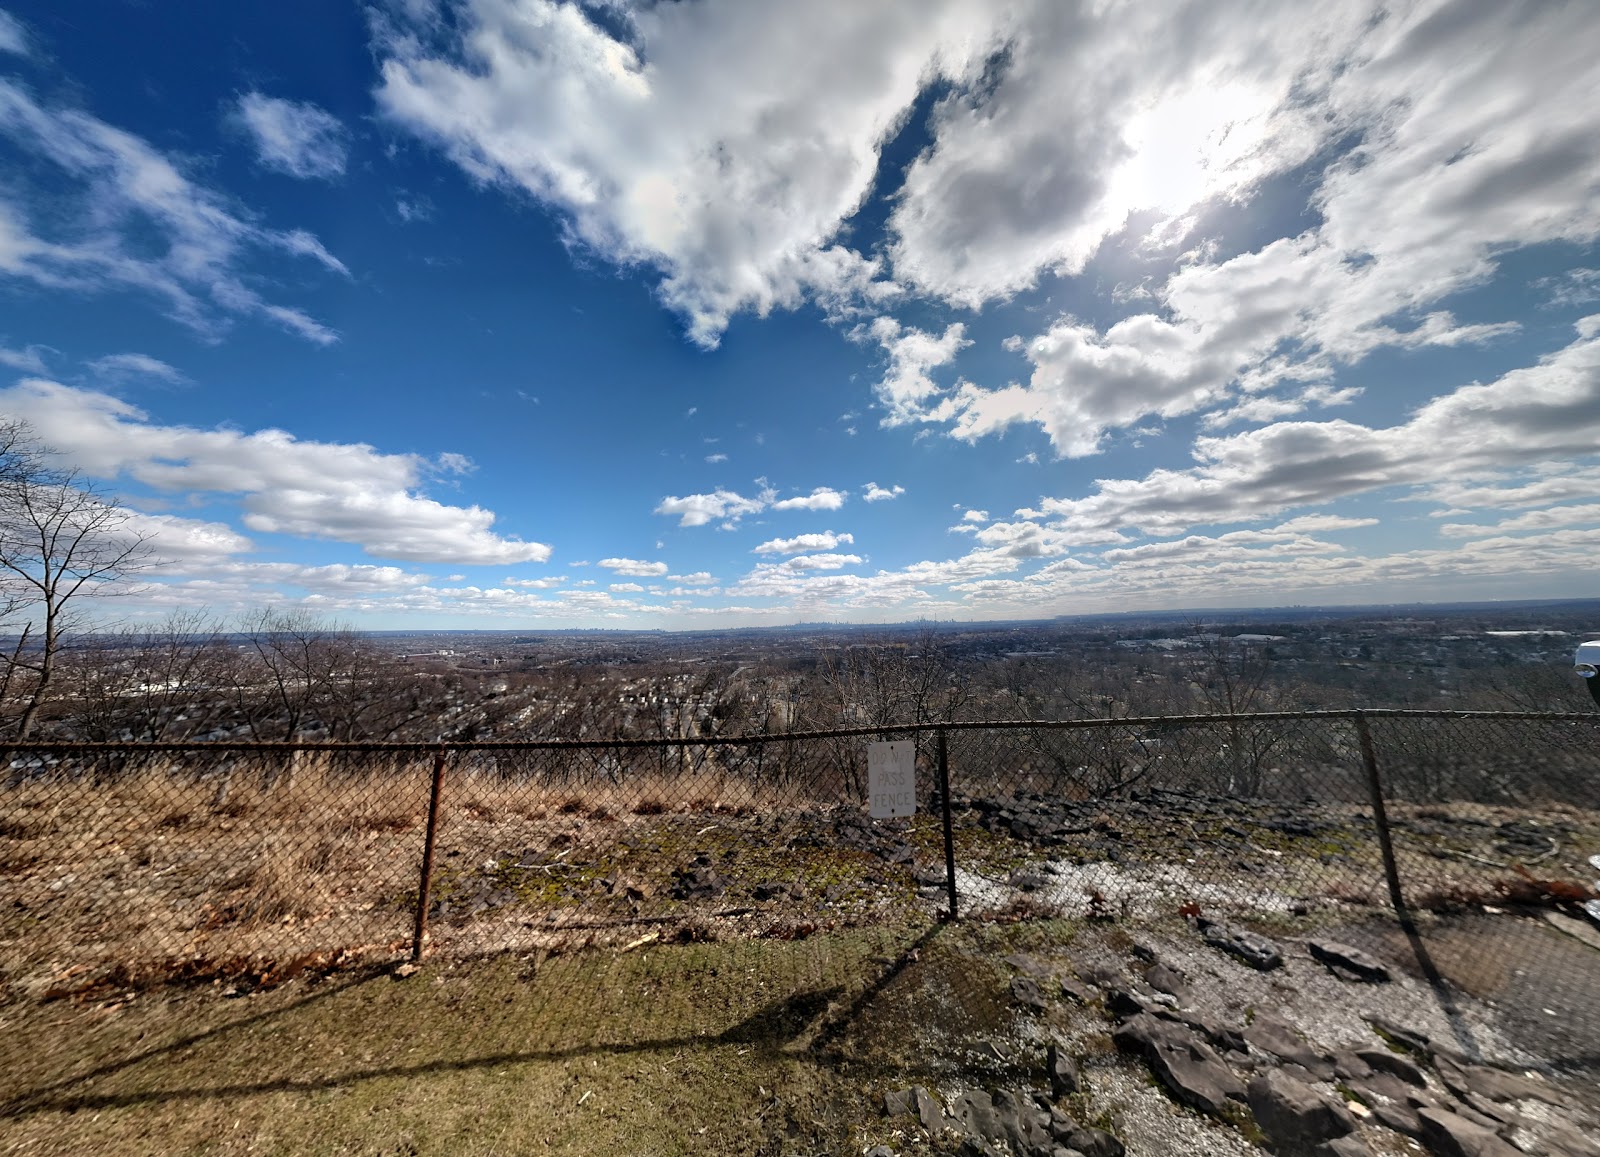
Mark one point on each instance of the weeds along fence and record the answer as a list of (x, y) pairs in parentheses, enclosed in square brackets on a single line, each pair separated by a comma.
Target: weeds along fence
[(122, 863)]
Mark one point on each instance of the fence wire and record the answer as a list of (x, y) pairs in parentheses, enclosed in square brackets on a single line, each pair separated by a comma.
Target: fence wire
[(168, 861)]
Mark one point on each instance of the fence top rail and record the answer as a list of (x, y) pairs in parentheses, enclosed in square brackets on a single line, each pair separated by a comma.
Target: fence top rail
[(13, 748)]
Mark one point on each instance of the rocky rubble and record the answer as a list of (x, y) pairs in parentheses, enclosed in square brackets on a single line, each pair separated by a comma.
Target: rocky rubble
[(1259, 1074)]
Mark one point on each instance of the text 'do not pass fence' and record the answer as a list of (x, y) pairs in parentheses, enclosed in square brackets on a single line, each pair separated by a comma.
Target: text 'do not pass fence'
[(167, 860)]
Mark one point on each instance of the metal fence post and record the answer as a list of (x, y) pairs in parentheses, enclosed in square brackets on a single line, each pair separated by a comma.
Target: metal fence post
[(1380, 818), (420, 929), (949, 838)]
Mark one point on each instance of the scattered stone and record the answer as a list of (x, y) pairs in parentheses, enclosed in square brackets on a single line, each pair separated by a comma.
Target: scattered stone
[(1100, 975), (1165, 978), (1024, 1126), (1492, 1084), (1390, 1102), (1026, 881), (1347, 1066), (1121, 1003), (1588, 933), (1093, 1143), (898, 1102), (1027, 965), (880, 1151), (1063, 1071), (1182, 1061), (1347, 1146), (1255, 950), (1398, 1033), (1393, 1063), (1279, 1040), (406, 969), (1294, 1115), (1025, 991), (775, 890), (929, 1111), (1073, 990), (1451, 1135), (1343, 960)]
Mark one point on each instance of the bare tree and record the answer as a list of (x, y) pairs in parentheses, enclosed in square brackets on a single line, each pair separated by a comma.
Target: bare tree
[(60, 537)]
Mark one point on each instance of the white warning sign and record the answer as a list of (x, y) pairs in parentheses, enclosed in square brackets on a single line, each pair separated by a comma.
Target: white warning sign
[(892, 779)]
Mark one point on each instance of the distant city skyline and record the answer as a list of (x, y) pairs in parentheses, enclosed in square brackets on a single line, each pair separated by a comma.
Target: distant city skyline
[(526, 314)]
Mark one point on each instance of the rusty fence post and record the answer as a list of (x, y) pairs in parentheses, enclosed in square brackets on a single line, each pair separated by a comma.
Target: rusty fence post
[(949, 838), (1380, 818), (420, 929)]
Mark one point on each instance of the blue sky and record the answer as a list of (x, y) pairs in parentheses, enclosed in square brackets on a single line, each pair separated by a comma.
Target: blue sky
[(516, 313)]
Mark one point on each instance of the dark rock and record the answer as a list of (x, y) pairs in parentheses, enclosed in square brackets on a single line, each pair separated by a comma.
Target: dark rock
[(1182, 1061), (1451, 1135), (1390, 1100), (973, 1111), (1255, 950), (880, 1151), (1493, 1084), (1061, 1125), (1346, 960), (1348, 1066), (1279, 1040), (899, 854), (1024, 881), (1393, 1063), (1121, 1003), (1294, 1115), (1347, 1146), (1165, 978), (897, 1102), (1028, 965), (1063, 1072), (1025, 991), (1398, 1033), (1024, 1126), (930, 877), (1094, 1143), (1100, 975), (1073, 990), (929, 1111)]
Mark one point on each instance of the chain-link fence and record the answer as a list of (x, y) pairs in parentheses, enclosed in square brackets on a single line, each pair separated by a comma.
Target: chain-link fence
[(126, 863)]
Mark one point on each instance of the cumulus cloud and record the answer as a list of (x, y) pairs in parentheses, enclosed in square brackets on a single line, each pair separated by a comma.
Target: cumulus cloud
[(906, 387), (115, 213), (822, 498), (346, 492), (1582, 514), (699, 509), (1529, 415), (876, 493), (293, 137), (722, 146), (634, 566), (826, 540)]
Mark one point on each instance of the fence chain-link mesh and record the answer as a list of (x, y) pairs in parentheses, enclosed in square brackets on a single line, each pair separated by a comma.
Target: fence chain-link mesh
[(119, 863)]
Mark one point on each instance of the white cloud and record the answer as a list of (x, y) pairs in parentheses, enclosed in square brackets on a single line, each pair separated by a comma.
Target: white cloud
[(1587, 514), (876, 493), (185, 541), (347, 492), (13, 37), (626, 588), (293, 137), (720, 145), (715, 458), (635, 567), (116, 366), (1529, 415), (699, 578), (29, 360), (826, 540), (118, 214), (821, 498), (906, 388), (699, 509), (538, 584)]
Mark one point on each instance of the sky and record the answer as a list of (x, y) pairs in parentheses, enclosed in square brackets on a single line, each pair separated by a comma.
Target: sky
[(514, 314)]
